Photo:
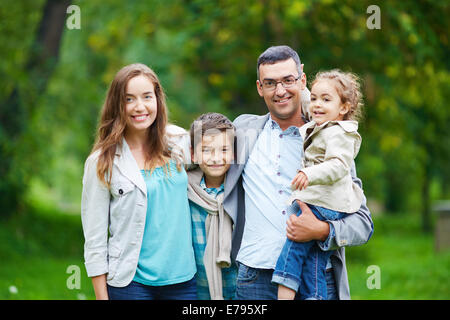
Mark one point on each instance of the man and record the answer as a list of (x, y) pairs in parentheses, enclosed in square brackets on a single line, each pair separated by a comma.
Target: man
[(269, 153)]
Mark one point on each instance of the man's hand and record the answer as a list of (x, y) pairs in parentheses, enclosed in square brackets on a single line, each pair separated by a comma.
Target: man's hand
[(300, 181), (306, 227)]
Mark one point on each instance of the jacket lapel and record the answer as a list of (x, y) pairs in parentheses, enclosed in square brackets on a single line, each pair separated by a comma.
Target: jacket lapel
[(128, 166), (310, 129), (246, 136)]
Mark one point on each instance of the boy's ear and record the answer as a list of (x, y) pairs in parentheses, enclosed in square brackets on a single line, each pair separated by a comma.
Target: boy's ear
[(193, 158)]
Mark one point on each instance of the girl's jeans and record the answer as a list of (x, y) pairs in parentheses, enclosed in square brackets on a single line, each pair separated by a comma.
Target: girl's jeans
[(303, 264), (256, 284)]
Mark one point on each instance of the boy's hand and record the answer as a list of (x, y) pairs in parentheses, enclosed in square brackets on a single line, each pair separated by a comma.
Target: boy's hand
[(300, 181)]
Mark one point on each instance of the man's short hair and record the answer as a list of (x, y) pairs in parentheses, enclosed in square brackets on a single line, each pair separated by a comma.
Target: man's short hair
[(278, 53), (210, 122)]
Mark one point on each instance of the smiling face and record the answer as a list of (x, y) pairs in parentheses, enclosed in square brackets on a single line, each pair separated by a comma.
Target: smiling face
[(284, 104), (215, 154), (326, 103), (141, 104)]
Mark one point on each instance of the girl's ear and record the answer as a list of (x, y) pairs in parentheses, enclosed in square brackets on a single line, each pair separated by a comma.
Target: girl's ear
[(345, 108)]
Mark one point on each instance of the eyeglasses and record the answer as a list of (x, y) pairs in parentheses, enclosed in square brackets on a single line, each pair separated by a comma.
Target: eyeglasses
[(269, 84)]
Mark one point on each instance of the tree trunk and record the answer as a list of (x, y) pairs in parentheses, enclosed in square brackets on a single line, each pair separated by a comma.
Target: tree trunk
[(17, 109), (426, 205)]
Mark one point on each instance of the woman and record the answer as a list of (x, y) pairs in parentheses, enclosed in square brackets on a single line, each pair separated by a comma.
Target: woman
[(135, 210)]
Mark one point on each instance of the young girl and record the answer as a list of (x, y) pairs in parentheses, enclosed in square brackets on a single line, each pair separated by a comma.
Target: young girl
[(135, 210), (331, 142)]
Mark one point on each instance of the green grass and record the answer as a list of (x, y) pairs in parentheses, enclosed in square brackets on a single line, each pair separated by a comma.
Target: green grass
[(36, 249), (409, 266), (38, 246)]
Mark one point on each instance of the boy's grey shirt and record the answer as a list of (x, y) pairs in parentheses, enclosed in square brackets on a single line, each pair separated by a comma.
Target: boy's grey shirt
[(356, 229)]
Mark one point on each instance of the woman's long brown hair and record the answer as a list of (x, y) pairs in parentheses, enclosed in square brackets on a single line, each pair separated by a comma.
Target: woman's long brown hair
[(112, 123)]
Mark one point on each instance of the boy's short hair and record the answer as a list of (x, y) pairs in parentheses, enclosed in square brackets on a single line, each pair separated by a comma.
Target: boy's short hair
[(210, 122)]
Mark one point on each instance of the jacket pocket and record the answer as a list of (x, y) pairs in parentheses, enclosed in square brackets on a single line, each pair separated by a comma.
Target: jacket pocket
[(121, 188), (123, 200), (113, 260)]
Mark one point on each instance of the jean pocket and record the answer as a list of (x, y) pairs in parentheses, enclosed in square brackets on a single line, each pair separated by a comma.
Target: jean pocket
[(246, 275)]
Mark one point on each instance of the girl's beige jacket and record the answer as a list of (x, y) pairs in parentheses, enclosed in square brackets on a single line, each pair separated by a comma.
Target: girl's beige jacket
[(329, 152)]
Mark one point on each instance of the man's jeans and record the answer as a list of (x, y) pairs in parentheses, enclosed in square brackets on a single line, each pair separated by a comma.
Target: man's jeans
[(301, 265), (256, 284)]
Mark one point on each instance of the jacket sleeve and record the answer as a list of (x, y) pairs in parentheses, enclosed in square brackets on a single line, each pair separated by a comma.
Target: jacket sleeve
[(179, 143), (339, 155), (353, 230), (95, 218)]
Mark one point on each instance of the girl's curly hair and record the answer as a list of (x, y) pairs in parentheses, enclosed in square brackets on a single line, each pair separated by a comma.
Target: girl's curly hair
[(349, 89)]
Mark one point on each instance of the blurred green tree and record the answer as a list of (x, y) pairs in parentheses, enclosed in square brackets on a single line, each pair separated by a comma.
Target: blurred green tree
[(205, 55), (22, 93)]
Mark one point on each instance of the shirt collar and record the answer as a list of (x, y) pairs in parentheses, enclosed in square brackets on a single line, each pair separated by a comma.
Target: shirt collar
[(213, 191), (291, 131)]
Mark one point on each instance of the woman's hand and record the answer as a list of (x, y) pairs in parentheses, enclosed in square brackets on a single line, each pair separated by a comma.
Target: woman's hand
[(99, 284), (306, 227)]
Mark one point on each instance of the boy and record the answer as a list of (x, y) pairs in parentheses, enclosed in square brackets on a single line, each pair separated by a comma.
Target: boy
[(212, 137)]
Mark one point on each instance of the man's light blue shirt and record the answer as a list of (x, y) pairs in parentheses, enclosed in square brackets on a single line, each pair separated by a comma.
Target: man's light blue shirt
[(271, 166)]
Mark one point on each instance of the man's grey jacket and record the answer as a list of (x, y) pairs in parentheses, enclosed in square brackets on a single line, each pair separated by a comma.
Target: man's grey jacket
[(353, 230)]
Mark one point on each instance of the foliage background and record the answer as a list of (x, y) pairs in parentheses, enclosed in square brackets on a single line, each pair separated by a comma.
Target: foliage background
[(205, 54)]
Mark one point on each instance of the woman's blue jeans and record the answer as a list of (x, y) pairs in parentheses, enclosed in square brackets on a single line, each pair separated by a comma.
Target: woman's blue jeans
[(138, 291)]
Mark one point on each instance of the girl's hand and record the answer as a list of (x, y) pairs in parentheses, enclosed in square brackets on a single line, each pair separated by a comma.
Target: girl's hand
[(300, 181)]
